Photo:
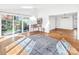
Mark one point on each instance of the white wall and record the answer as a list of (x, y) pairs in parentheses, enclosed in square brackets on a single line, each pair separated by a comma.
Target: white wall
[(45, 18), (78, 26), (0, 25), (59, 22), (46, 10), (52, 24), (65, 23)]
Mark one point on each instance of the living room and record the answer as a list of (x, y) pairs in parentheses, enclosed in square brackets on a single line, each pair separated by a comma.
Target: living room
[(33, 28)]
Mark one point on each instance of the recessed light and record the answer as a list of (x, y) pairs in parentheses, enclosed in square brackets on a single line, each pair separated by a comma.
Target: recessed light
[(27, 7)]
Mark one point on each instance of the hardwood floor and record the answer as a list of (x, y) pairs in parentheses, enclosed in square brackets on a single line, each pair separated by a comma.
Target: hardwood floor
[(59, 34), (68, 36)]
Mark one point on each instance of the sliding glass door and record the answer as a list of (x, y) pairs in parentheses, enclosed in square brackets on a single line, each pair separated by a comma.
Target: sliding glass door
[(26, 22), (11, 24), (7, 24), (17, 24)]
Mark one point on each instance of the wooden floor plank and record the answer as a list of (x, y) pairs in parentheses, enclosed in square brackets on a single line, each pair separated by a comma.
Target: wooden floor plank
[(68, 35)]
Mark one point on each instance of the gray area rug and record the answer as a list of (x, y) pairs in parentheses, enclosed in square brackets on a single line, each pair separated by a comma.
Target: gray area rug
[(44, 45)]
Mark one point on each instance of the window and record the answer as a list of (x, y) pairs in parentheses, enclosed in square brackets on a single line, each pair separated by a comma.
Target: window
[(7, 24)]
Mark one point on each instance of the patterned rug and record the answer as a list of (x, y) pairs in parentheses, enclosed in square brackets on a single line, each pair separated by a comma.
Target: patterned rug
[(44, 45)]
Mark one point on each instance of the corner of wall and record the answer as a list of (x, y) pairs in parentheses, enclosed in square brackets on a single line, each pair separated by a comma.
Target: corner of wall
[(78, 26)]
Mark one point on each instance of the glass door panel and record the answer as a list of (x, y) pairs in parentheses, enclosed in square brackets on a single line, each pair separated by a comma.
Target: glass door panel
[(7, 24), (26, 22), (17, 24)]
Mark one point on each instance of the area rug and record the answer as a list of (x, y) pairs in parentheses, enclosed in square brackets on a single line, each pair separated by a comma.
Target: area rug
[(44, 45)]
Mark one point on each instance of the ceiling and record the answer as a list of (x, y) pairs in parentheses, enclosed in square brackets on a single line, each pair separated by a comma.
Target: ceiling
[(16, 8)]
